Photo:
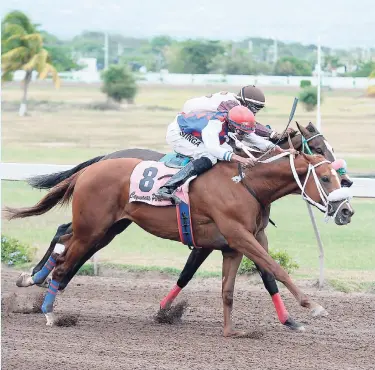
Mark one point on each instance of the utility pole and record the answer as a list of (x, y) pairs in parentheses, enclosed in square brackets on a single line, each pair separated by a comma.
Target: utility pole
[(318, 116), (105, 50), (275, 51)]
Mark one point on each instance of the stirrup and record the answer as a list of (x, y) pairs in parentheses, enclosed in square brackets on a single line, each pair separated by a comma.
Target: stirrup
[(168, 196)]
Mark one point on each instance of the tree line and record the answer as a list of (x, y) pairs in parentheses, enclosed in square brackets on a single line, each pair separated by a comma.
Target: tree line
[(252, 56), (25, 46)]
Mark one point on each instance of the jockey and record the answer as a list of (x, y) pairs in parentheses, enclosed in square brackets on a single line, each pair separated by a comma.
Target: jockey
[(249, 96), (203, 136)]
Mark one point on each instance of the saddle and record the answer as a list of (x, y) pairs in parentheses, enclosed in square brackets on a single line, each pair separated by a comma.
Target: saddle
[(175, 160)]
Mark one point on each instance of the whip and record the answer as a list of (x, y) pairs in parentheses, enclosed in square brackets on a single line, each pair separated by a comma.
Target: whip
[(294, 107)]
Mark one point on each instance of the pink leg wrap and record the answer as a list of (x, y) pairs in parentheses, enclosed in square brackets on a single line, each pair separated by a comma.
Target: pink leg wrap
[(170, 297), (282, 313)]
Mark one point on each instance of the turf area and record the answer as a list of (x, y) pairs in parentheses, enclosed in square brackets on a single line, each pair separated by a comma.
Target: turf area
[(349, 249), (60, 129)]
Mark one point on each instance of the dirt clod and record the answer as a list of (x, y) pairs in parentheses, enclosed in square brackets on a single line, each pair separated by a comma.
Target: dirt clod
[(171, 315)]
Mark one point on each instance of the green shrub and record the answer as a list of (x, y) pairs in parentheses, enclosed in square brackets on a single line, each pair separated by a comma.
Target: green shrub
[(304, 83), (119, 83), (86, 270), (309, 98), (281, 257), (13, 252)]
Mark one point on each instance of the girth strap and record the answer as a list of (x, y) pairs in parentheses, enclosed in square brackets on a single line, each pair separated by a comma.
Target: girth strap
[(252, 192)]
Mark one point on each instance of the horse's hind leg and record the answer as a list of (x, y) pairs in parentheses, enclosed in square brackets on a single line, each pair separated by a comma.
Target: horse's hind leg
[(116, 229), (63, 229), (48, 262), (77, 252), (76, 248), (196, 258)]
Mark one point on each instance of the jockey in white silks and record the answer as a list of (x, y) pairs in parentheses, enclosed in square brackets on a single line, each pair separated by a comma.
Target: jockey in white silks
[(249, 96), (204, 136)]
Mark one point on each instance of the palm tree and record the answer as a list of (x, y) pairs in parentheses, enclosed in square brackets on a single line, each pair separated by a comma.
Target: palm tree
[(22, 48)]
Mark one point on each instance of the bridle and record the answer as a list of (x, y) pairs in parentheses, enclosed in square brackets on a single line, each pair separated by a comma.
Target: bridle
[(305, 146), (341, 194)]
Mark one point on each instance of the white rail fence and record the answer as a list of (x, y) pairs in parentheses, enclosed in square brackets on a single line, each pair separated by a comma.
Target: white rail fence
[(362, 188), (165, 78)]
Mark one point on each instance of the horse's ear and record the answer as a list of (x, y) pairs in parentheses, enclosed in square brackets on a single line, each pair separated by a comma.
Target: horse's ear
[(310, 127), (303, 130)]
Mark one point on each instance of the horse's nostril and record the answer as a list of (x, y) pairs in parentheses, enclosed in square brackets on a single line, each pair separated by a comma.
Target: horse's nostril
[(346, 212)]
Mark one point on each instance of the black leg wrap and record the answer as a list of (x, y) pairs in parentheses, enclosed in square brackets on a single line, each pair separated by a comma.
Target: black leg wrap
[(268, 281), (196, 258)]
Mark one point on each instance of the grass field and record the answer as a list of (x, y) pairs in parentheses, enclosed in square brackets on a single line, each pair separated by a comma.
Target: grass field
[(73, 134), (349, 249)]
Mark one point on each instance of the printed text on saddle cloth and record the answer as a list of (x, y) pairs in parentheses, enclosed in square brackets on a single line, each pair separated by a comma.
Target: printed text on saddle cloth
[(147, 178)]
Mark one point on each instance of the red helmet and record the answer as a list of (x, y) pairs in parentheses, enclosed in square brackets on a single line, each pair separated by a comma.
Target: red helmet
[(241, 118)]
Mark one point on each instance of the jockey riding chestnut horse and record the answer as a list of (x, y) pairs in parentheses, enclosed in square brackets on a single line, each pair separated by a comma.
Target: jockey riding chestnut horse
[(233, 214), (249, 96)]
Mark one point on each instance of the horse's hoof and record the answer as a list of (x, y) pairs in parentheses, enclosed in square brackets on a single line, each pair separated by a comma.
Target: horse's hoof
[(24, 280), (294, 325), (234, 334), (318, 311), (51, 319)]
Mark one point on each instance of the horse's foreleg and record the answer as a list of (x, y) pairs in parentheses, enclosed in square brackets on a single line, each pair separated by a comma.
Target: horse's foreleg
[(271, 286), (244, 242), (196, 258), (231, 262)]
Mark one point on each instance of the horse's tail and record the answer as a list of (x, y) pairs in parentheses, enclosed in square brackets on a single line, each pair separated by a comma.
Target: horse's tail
[(51, 180), (60, 194)]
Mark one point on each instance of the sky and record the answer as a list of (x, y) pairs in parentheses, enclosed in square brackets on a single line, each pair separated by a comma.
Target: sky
[(340, 23)]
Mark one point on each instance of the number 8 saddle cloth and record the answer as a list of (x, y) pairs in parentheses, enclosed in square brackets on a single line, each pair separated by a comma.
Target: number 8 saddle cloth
[(146, 179)]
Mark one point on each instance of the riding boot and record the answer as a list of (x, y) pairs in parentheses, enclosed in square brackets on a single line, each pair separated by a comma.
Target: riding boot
[(194, 168)]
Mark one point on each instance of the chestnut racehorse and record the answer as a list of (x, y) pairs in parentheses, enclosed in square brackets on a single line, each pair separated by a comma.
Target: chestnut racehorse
[(310, 140), (222, 216)]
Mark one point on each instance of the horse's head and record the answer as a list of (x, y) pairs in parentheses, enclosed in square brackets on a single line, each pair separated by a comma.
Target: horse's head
[(323, 187), (313, 142)]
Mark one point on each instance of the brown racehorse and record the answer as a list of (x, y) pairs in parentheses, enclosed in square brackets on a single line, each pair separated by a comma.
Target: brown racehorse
[(222, 216), (308, 141)]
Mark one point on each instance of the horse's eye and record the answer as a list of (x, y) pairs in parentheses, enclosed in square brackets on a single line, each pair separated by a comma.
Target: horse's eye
[(319, 150), (325, 179)]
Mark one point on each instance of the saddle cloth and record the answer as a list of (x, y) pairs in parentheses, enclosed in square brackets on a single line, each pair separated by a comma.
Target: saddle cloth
[(146, 180), (148, 177)]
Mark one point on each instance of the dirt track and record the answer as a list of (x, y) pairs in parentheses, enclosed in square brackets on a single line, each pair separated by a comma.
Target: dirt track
[(116, 329)]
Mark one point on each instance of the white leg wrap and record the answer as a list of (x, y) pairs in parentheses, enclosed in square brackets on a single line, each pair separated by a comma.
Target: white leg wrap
[(59, 248)]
